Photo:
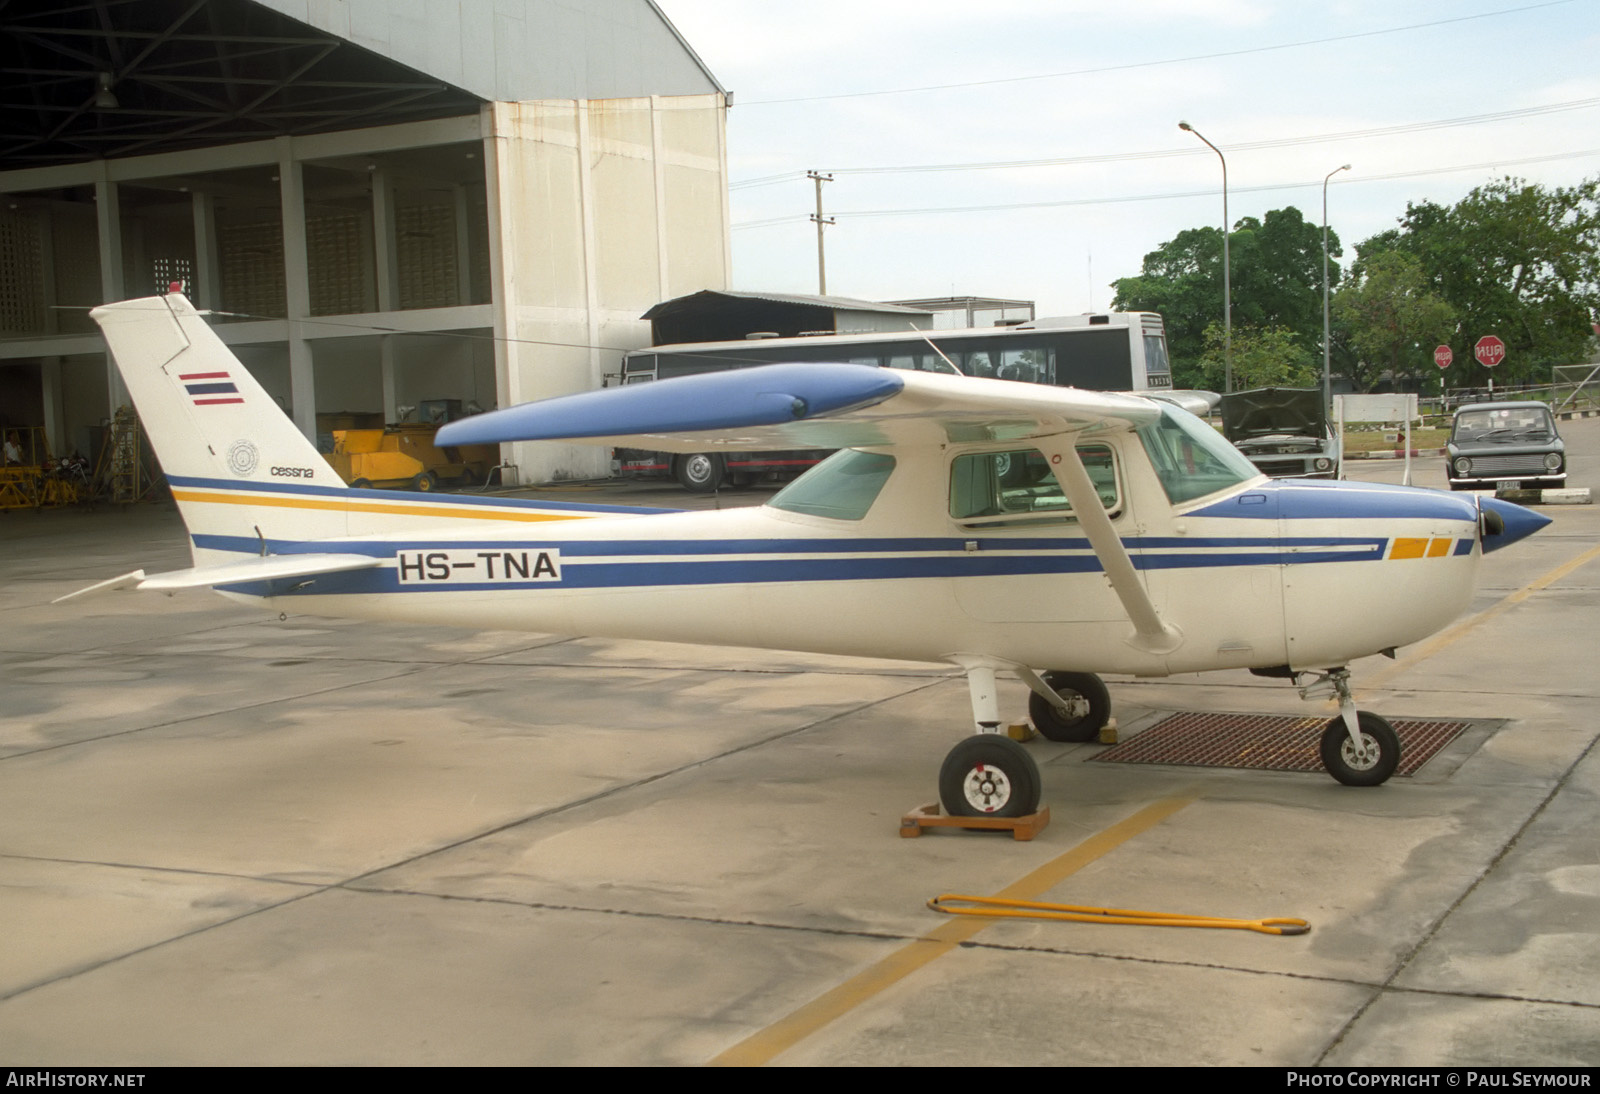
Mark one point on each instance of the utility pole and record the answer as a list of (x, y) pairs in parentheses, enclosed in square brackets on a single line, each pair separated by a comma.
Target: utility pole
[(820, 221)]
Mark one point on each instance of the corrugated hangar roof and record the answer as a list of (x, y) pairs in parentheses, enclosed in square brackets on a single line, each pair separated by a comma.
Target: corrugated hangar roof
[(98, 79), (719, 315), (711, 298)]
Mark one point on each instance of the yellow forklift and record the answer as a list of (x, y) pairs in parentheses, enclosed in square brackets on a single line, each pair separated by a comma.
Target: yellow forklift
[(403, 454)]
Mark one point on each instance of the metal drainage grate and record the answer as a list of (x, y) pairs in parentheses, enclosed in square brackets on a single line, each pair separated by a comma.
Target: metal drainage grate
[(1265, 742)]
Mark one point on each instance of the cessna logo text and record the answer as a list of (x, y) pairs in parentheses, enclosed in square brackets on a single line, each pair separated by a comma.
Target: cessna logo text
[(468, 567)]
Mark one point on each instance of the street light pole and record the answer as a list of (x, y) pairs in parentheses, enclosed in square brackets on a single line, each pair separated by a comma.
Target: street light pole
[(1227, 293), (1327, 344)]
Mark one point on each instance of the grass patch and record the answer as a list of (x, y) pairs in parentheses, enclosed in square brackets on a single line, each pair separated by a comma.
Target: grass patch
[(1373, 440)]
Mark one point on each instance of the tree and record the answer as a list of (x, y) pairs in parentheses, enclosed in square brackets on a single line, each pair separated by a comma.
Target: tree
[(1182, 280), (1262, 357), (1512, 259), (1276, 274), (1391, 318)]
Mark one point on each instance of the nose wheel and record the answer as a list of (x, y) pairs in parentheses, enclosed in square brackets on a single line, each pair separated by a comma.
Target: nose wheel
[(1367, 759), (988, 775)]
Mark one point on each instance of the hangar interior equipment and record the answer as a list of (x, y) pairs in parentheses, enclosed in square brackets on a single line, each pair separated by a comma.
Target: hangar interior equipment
[(382, 204)]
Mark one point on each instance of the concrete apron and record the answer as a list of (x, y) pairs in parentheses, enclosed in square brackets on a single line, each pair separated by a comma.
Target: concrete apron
[(230, 840)]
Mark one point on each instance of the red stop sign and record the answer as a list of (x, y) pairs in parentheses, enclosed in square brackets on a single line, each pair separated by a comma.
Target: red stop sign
[(1442, 356), (1489, 351)]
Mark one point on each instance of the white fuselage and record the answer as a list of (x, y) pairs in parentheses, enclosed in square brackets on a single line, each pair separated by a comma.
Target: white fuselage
[(1306, 574)]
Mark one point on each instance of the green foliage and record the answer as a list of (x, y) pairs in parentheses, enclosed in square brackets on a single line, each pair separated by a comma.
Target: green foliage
[(1512, 259), (1276, 273), (1262, 357), (1390, 316)]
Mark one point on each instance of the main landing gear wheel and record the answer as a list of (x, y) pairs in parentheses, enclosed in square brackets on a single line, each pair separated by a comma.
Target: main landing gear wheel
[(1369, 764), (1085, 693), (988, 775)]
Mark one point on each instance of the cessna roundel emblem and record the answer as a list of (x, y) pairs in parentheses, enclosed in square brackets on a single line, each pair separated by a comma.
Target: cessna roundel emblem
[(242, 457)]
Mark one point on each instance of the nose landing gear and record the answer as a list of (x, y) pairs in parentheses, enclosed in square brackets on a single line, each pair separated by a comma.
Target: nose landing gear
[(1358, 747)]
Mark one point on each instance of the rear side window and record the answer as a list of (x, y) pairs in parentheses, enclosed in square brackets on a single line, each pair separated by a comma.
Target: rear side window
[(1000, 488), (842, 487)]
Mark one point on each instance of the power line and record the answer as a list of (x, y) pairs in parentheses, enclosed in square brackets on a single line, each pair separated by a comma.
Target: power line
[(1169, 153), (1248, 146), (1152, 64), (1175, 195)]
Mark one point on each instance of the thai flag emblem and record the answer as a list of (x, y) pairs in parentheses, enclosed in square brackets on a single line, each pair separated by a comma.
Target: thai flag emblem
[(210, 388)]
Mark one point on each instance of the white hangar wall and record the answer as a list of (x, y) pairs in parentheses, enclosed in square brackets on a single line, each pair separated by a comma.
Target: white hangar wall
[(599, 209)]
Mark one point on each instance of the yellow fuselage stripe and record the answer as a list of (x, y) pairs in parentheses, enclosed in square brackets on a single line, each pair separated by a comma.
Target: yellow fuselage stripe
[(354, 506)]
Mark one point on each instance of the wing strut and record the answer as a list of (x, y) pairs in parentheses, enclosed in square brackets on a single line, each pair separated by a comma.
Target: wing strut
[(1151, 634)]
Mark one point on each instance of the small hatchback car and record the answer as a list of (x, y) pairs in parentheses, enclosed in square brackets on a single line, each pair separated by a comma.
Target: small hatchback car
[(1506, 445)]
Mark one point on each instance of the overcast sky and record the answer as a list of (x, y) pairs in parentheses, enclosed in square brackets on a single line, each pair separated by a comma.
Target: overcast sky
[(1106, 83)]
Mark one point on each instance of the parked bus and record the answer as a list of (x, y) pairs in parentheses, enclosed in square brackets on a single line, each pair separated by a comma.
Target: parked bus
[(1112, 351)]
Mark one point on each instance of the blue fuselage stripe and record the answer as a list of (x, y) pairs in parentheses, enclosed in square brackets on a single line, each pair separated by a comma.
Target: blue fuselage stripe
[(594, 565)]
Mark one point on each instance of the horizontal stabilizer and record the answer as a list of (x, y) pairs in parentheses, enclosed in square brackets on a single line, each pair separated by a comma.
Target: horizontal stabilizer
[(805, 406), (125, 581), (263, 568)]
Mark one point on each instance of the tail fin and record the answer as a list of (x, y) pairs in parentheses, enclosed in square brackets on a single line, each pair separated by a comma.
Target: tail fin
[(240, 470)]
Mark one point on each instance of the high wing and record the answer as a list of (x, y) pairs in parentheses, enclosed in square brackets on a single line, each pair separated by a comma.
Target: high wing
[(806, 406), (852, 406)]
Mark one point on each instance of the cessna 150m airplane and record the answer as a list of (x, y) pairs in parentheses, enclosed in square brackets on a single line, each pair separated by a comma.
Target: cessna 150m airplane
[(997, 526)]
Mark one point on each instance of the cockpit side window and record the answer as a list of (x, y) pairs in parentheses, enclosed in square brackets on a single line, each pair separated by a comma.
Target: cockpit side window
[(842, 487), (1190, 458), (1019, 487)]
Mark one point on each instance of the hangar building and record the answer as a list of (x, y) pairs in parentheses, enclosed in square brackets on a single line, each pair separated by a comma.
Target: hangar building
[(387, 202)]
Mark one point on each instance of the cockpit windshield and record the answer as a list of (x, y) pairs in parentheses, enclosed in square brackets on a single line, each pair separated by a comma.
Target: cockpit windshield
[(1190, 458), (842, 487)]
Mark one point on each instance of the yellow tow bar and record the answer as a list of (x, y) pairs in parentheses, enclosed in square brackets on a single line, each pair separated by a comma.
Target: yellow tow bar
[(1001, 908)]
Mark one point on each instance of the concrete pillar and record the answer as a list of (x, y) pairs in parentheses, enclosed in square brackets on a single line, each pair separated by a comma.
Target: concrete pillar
[(463, 245), (386, 267), (47, 271), (108, 215), (499, 133), (207, 287), (658, 173), (387, 351), (55, 436), (297, 288), (591, 286)]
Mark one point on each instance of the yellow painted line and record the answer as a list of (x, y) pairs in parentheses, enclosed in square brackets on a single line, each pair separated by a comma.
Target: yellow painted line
[(784, 1034), (1408, 548), (427, 509), (1444, 639), (1440, 547)]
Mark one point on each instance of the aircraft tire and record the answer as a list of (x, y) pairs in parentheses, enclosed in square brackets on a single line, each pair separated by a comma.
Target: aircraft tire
[(987, 775), (699, 472), (1056, 727), (1372, 769)]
